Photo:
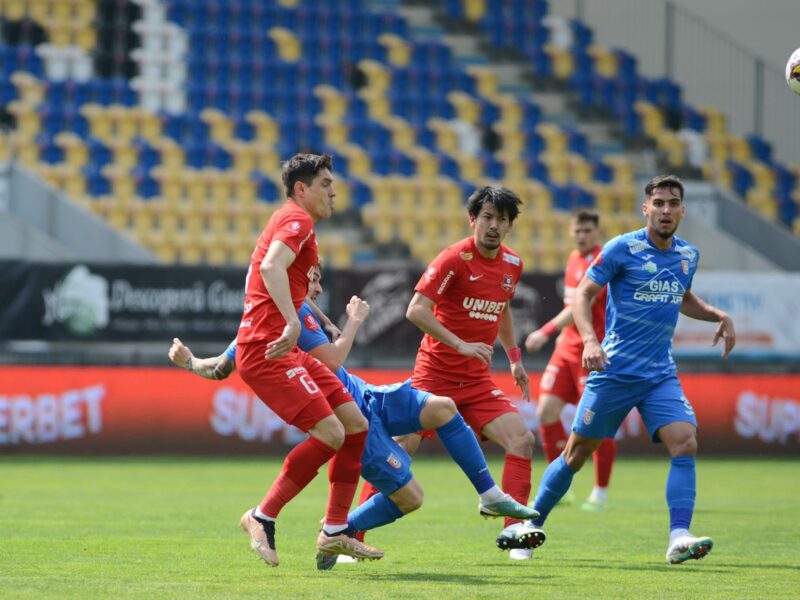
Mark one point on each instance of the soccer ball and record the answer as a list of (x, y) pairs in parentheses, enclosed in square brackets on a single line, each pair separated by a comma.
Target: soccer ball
[(793, 71)]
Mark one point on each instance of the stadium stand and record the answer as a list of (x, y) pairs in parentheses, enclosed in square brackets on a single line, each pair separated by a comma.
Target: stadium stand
[(170, 119)]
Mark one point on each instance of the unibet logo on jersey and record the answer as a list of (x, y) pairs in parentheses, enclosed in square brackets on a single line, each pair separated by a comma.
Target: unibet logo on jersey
[(483, 309)]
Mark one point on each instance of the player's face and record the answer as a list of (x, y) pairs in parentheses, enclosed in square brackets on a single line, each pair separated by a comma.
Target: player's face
[(663, 211), (490, 228), (585, 234), (314, 285), (317, 198)]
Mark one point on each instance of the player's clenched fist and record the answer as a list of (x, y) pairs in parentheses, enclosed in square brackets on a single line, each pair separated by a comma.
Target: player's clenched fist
[(179, 354), (357, 309)]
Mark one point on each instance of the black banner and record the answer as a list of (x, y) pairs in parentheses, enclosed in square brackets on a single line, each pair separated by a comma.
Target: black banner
[(94, 302), (118, 302)]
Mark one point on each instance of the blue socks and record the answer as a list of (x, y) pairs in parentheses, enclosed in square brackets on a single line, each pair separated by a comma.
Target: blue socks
[(556, 479), (375, 512), (463, 447), (681, 491)]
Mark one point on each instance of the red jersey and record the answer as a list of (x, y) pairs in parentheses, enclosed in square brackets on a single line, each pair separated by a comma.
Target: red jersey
[(471, 292), (577, 265), (293, 226)]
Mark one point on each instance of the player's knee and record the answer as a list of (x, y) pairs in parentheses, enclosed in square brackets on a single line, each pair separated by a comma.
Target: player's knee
[(521, 444), (410, 501), (355, 424), (330, 432), (576, 455), (686, 446), (438, 411)]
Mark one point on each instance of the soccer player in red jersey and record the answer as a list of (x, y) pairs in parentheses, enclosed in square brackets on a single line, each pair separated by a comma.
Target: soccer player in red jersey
[(564, 377), (462, 305), (296, 386)]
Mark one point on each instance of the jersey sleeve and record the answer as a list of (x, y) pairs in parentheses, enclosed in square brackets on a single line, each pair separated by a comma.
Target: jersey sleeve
[(230, 351), (693, 268), (293, 229), (438, 276), (311, 333), (608, 263)]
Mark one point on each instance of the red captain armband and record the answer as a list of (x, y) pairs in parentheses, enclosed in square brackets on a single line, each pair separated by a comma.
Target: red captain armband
[(514, 355), (549, 329)]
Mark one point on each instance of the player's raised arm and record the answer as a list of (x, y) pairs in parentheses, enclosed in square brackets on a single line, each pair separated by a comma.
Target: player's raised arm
[(333, 354), (509, 340), (695, 308), (273, 270), (420, 312), (218, 367), (594, 357)]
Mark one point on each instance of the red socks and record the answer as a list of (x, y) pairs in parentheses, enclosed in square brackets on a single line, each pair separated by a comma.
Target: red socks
[(554, 438), (603, 461), (517, 480), (299, 468), (343, 474)]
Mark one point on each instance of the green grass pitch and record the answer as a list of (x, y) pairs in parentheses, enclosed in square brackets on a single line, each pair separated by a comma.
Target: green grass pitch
[(168, 528)]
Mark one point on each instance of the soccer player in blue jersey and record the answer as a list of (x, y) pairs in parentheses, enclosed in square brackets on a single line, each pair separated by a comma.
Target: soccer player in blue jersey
[(649, 277), (392, 410)]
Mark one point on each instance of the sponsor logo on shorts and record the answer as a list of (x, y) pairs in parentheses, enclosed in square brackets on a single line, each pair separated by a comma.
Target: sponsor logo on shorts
[(588, 416), (394, 462), (295, 371), (508, 282)]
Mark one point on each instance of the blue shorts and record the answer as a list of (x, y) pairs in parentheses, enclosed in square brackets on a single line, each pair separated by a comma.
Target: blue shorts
[(606, 402), (392, 410)]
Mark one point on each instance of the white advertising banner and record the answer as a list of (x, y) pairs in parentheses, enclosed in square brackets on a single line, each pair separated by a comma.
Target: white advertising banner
[(765, 308)]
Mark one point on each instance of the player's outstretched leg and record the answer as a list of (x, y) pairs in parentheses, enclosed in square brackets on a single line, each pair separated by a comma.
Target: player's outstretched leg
[(440, 413)]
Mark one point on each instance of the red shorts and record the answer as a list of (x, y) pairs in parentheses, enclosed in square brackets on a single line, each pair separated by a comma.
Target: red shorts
[(479, 401), (564, 377), (298, 388)]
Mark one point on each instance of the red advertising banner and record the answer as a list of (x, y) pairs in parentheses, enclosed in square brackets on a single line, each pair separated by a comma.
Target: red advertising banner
[(138, 410)]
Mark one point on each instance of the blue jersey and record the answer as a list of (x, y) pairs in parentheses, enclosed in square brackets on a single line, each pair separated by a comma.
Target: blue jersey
[(645, 292), (311, 336)]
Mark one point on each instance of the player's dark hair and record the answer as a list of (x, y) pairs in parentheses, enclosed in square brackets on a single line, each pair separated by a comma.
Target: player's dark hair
[(303, 167), (586, 215), (663, 182), (504, 200)]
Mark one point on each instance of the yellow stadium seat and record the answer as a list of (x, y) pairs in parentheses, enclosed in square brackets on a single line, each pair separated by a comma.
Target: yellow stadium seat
[(486, 78), (398, 50), (474, 10), (30, 90), (28, 121), (100, 123), (334, 104), (378, 77), (605, 61), (220, 126), (466, 106), (266, 129), (76, 153), (289, 47), (148, 124), (216, 255), (562, 60)]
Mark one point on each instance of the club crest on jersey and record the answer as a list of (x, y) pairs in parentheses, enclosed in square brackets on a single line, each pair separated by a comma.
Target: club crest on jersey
[(685, 267), (508, 282), (311, 323), (510, 258), (465, 255), (588, 417), (394, 462)]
